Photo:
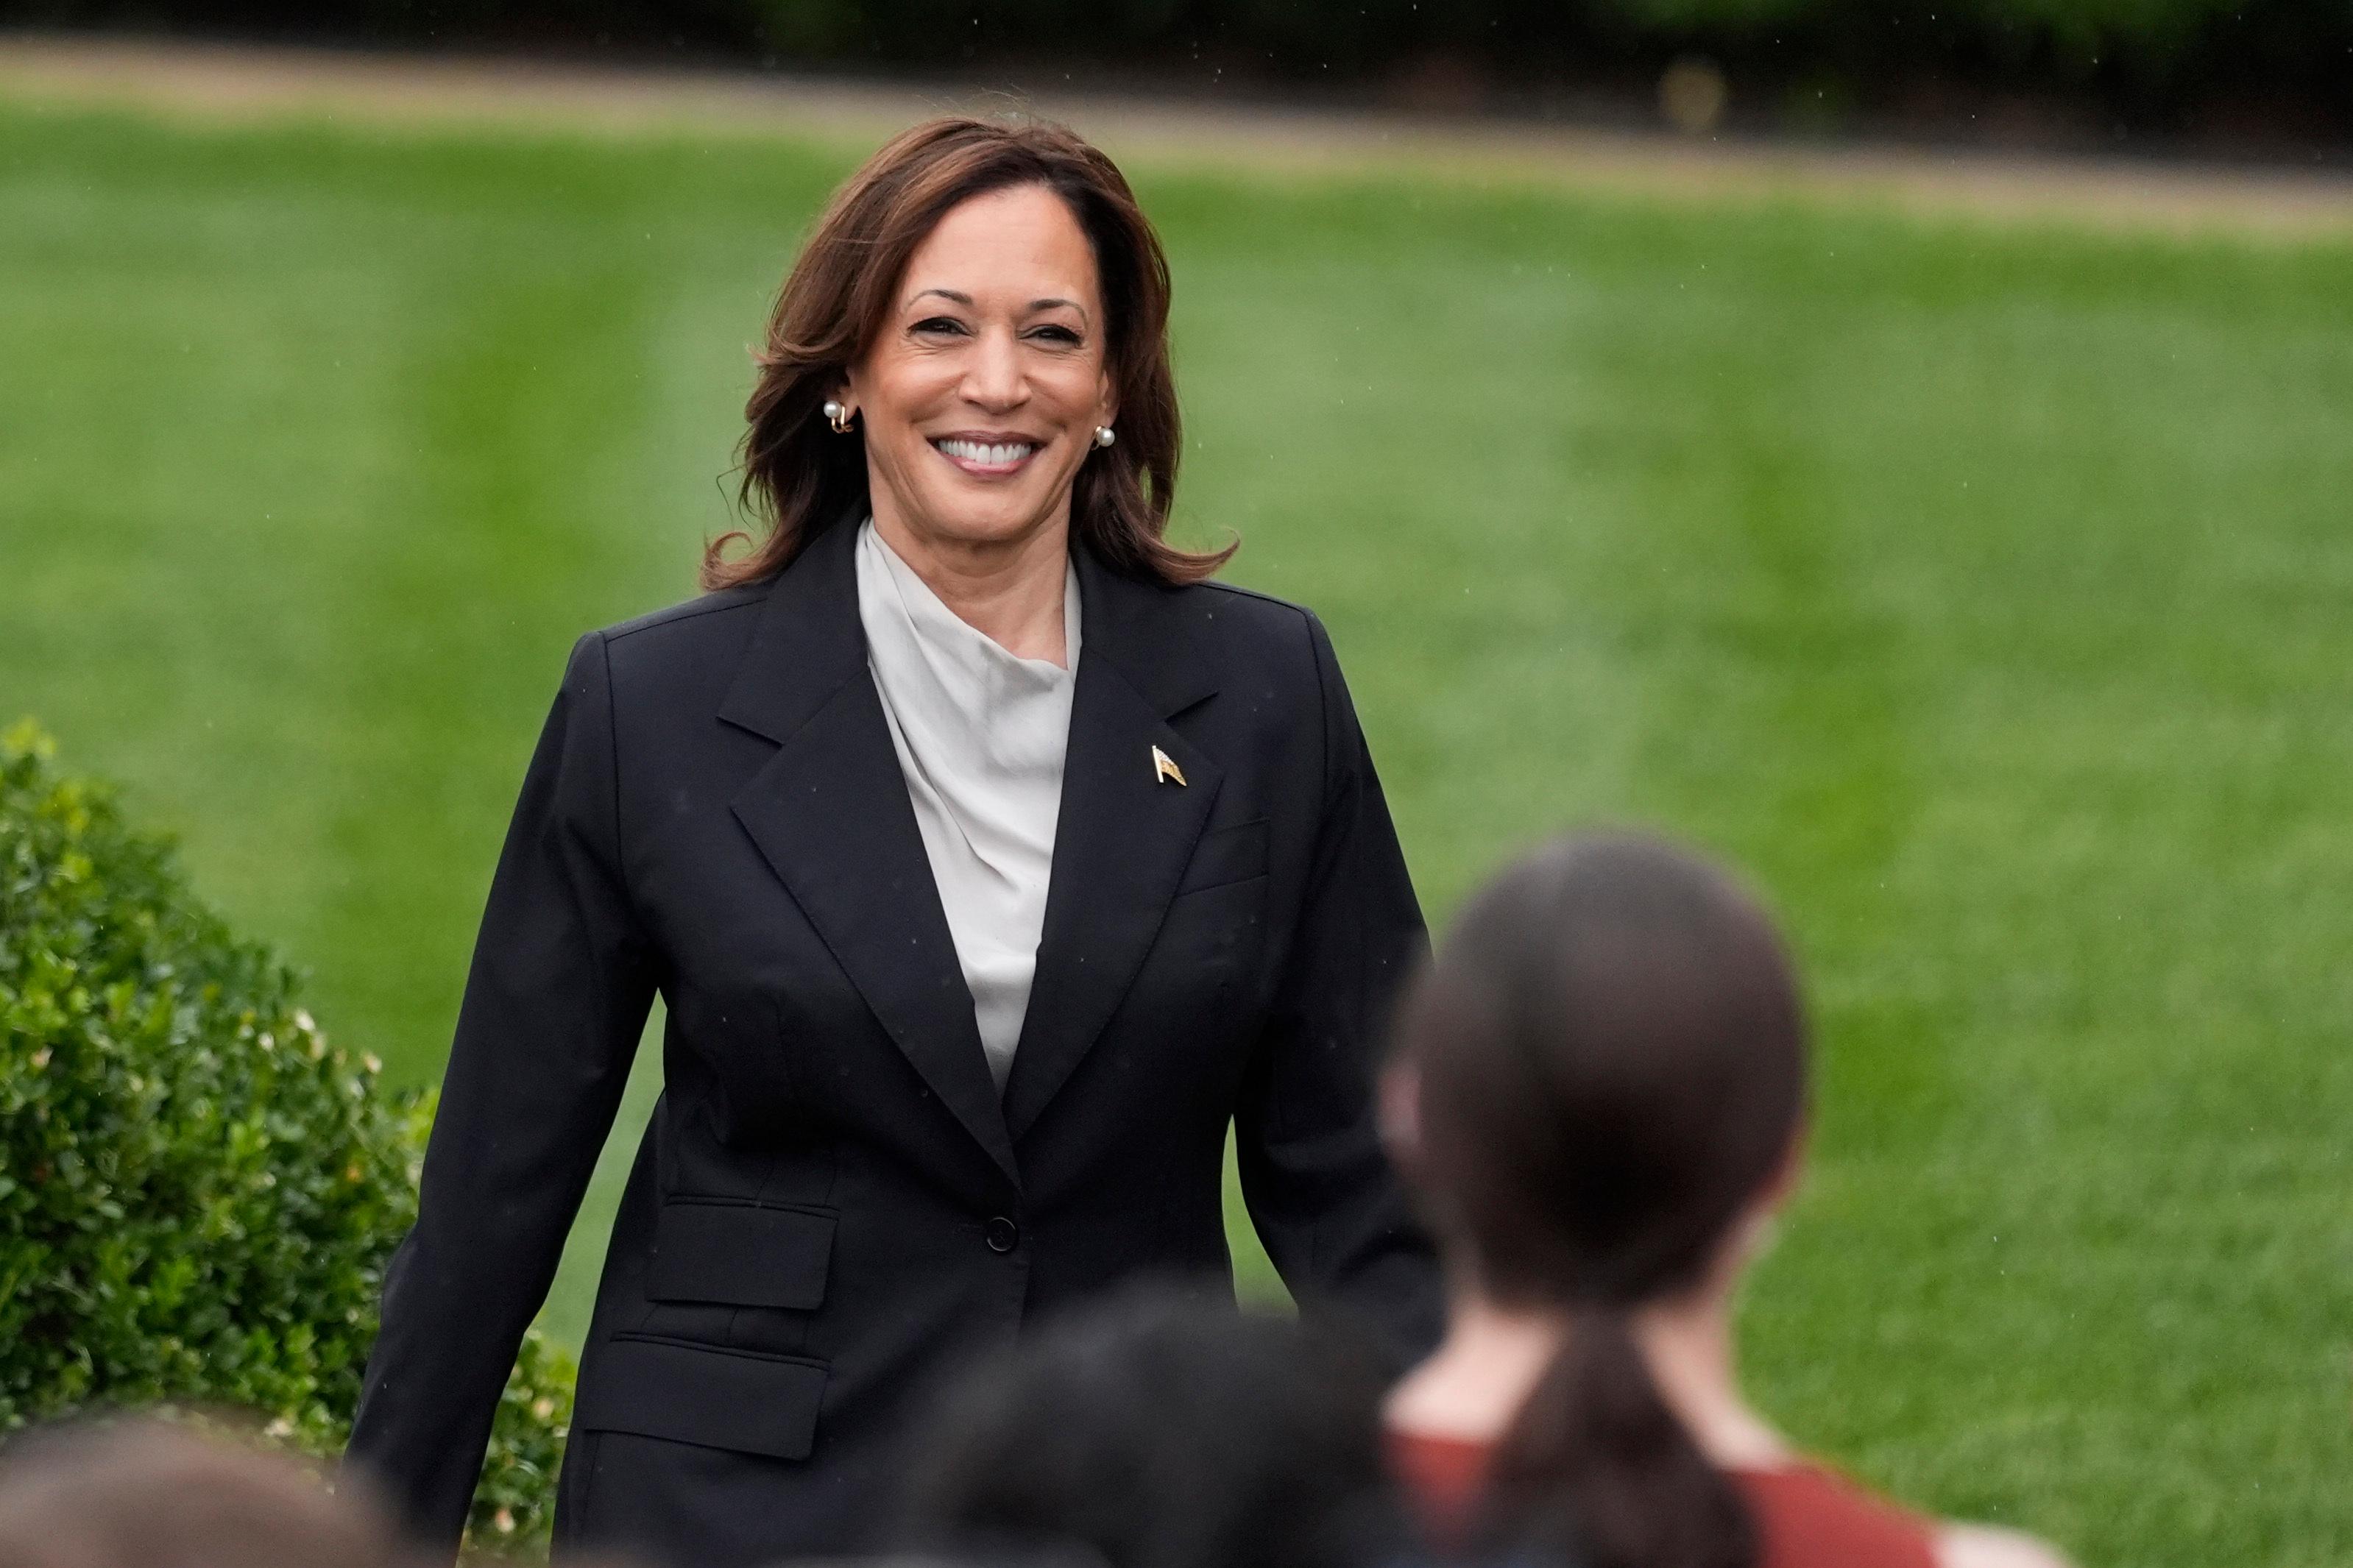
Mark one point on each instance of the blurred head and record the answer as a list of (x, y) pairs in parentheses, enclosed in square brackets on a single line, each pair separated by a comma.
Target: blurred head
[(1598, 1091), (981, 296), (141, 1494), (1600, 1078), (1157, 1432)]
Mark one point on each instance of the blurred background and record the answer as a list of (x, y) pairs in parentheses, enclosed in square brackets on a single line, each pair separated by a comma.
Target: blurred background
[(1906, 449), (2269, 74)]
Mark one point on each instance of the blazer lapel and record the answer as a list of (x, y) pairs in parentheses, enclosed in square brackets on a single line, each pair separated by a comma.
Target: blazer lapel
[(1126, 834), (829, 812)]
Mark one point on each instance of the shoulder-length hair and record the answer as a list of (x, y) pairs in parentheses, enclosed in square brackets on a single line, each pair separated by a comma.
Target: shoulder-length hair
[(799, 477)]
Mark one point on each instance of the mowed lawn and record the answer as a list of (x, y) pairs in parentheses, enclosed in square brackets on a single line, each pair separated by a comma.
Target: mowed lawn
[(1987, 594)]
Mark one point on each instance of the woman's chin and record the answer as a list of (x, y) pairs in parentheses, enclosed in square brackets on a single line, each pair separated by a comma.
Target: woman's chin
[(997, 519)]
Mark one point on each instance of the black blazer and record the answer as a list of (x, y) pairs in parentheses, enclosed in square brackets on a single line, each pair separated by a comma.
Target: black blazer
[(832, 1204)]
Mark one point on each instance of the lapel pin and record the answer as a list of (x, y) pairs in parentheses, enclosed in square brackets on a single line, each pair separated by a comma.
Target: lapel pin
[(1163, 768)]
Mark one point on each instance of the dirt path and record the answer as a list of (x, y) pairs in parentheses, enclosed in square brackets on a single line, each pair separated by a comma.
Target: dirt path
[(218, 83)]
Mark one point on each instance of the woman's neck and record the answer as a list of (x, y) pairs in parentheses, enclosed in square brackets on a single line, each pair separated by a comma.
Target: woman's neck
[(1492, 1356), (1009, 590)]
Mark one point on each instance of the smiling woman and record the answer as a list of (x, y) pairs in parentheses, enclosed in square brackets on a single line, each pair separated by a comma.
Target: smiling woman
[(978, 407), (975, 284), (991, 862)]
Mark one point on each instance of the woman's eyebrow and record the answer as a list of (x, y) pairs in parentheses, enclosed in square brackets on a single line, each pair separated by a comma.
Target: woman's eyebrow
[(1035, 305)]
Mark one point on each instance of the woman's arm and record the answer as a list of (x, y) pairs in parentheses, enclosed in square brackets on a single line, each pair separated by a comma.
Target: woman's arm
[(1319, 1189), (555, 1001)]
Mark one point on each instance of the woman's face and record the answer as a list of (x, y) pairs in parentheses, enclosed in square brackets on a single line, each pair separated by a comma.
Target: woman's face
[(980, 395)]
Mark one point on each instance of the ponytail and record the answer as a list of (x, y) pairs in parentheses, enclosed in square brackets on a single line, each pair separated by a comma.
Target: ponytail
[(1597, 1465)]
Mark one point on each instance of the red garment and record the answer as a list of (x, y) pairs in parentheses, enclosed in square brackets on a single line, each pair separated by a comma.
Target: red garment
[(1806, 1516)]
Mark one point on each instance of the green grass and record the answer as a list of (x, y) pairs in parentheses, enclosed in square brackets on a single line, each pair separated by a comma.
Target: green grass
[(1987, 594)]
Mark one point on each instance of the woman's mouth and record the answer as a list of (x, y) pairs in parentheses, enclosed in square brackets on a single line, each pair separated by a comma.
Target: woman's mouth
[(985, 459)]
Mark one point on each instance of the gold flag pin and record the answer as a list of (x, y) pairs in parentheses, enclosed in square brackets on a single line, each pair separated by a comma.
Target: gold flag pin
[(1164, 767)]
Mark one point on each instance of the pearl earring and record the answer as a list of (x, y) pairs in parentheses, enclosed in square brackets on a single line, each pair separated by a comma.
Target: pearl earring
[(1106, 436), (837, 414)]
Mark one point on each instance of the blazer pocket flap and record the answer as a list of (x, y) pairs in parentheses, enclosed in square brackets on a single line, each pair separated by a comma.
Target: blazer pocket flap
[(1224, 855), (703, 1395), (740, 1255)]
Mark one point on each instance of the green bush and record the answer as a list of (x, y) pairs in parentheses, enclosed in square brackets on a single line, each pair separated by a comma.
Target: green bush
[(198, 1192)]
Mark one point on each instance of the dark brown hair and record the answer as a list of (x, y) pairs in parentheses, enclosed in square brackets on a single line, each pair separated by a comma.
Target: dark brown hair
[(800, 478), (1158, 1428), (1611, 1060)]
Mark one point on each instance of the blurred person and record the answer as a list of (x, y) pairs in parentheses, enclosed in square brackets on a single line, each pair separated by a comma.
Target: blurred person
[(140, 1494), (1157, 1430), (1599, 1091), (991, 861)]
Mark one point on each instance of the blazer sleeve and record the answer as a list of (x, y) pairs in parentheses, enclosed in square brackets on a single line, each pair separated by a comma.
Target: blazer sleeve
[(556, 998), (1320, 1190)]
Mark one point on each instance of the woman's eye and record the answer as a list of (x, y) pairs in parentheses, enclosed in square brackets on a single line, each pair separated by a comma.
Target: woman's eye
[(1056, 334), (939, 324)]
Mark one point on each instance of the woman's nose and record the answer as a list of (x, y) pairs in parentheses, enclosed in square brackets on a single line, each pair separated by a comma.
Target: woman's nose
[(993, 376)]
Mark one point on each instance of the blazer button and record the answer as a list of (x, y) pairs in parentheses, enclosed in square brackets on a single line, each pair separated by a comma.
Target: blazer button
[(1004, 1235)]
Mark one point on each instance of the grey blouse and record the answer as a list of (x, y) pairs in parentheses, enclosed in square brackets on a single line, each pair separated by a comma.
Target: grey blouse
[(981, 734)]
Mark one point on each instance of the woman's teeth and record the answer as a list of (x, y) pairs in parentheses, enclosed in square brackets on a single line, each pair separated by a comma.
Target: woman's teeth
[(993, 454)]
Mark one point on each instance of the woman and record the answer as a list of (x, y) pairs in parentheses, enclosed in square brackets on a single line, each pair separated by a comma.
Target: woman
[(1599, 1091), (989, 861)]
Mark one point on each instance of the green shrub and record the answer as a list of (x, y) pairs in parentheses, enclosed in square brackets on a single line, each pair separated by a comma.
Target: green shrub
[(198, 1192)]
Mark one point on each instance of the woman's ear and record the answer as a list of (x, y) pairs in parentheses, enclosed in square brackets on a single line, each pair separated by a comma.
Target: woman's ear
[(1782, 1184), (1752, 1235), (1399, 1113)]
